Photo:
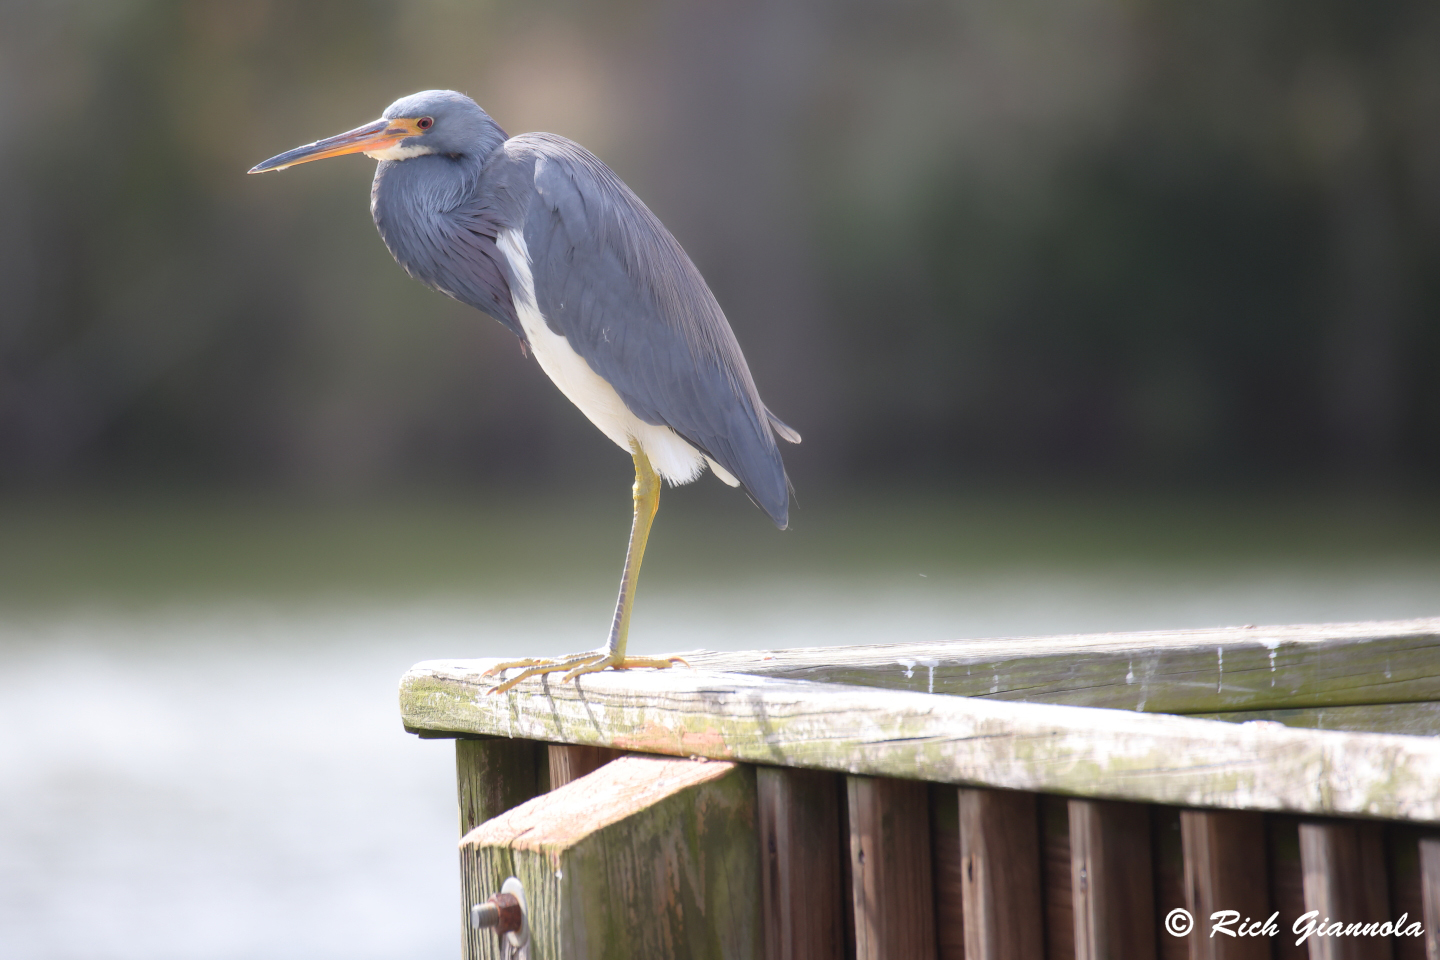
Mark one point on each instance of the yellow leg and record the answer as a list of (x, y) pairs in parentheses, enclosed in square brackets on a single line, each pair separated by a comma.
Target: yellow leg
[(647, 501)]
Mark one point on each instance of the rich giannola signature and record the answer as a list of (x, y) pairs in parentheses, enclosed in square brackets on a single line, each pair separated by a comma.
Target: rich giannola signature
[(1230, 923)]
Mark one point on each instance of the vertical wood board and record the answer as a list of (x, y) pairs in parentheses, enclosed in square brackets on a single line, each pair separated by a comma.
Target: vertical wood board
[(1059, 895), (492, 776), (1345, 880), (1001, 870), (891, 878), (1225, 871), (1167, 852), (800, 849), (946, 870), (1430, 893), (1112, 881)]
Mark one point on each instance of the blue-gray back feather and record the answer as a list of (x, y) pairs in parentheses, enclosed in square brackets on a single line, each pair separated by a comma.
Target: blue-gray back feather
[(612, 280)]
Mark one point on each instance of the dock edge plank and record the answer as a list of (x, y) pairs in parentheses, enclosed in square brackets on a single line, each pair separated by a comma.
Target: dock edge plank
[(1078, 751)]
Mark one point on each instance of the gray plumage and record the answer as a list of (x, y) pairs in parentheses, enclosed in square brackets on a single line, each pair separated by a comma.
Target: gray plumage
[(607, 275)]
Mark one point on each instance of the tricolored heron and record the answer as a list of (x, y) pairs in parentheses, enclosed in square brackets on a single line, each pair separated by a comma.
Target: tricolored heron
[(537, 232)]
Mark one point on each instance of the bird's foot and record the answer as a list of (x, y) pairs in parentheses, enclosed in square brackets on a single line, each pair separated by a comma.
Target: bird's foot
[(576, 664)]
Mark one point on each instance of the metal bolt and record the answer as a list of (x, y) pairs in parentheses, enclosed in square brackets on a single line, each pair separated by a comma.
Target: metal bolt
[(501, 911), (505, 913)]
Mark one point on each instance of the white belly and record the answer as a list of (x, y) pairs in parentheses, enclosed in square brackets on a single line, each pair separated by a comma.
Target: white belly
[(673, 458)]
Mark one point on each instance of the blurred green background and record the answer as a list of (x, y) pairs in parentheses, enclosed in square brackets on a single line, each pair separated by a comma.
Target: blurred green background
[(1095, 314), (1039, 261), (1103, 242)]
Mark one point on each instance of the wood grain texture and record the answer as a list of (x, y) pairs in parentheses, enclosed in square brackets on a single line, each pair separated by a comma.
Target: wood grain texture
[(1287, 882), (569, 762), (800, 849), (1001, 870), (1167, 853), (644, 858), (1112, 881), (1407, 894), (1344, 869), (946, 869), (494, 775), (1430, 893), (1225, 870), (1410, 719), (1038, 747), (891, 881), (1059, 897), (1180, 671)]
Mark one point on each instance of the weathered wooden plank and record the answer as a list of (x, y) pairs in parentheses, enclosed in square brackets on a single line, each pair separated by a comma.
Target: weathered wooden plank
[(1225, 871), (1111, 881), (571, 762), (1181, 671), (890, 869), (1000, 871), (1430, 892), (1345, 881), (1109, 754), (1410, 719), (494, 775), (800, 845), (646, 857)]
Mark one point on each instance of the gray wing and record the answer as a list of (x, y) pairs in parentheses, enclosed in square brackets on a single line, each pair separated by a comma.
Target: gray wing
[(612, 280)]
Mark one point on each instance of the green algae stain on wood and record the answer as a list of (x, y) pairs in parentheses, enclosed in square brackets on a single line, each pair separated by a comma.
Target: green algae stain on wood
[(644, 857), (1108, 754)]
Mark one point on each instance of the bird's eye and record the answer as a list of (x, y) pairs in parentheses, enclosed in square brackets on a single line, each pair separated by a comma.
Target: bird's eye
[(425, 123)]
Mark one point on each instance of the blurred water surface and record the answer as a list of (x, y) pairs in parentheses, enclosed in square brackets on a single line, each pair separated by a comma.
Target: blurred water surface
[(203, 758)]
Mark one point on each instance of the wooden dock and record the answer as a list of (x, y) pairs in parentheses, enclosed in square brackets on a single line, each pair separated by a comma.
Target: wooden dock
[(1019, 799)]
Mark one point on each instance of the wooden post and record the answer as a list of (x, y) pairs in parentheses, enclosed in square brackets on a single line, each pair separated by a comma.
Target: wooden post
[(1344, 867), (1430, 894), (801, 893), (1225, 870), (892, 887), (1111, 877), (494, 775), (1000, 863), (571, 762), (645, 857)]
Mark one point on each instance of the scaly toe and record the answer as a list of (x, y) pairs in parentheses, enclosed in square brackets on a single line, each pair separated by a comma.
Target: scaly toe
[(538, 667)]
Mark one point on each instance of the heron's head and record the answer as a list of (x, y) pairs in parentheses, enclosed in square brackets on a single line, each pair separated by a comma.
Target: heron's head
[(433, 121)]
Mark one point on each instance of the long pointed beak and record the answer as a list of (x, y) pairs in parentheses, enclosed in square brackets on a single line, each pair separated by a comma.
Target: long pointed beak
[(372, 136)]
